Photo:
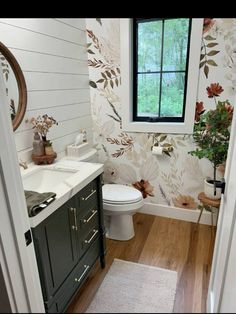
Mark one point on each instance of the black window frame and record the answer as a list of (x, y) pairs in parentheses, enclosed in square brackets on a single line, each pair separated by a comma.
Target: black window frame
[(137, 118)]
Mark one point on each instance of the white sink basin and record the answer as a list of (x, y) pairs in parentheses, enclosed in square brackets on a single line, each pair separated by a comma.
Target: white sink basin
[(45, 180)]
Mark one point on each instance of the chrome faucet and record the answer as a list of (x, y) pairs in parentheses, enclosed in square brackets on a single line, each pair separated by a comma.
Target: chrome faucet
[(23, 164)]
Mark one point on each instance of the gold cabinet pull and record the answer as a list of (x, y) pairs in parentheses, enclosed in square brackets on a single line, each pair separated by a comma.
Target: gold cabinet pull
[(83, 273), (94, 212), (94, 234), (74, 227), (92, 192)]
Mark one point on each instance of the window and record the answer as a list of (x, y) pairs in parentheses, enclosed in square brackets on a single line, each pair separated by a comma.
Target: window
[(160, 57), (160, 68)]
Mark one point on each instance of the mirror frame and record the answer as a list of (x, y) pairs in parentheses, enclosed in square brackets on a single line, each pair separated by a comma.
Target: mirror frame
[(20, 83)]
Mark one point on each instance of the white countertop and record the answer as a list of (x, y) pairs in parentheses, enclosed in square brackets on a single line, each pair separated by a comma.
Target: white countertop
[(85, 173)]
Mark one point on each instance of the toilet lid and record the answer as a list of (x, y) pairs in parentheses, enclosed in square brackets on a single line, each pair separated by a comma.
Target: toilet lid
[(120, 194)]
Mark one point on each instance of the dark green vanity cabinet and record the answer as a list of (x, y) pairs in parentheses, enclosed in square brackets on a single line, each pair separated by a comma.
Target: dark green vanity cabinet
[(67, 245)]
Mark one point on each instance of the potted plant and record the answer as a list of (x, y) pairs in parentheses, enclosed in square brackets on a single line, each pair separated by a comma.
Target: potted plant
[(48, 147), (211, 134)]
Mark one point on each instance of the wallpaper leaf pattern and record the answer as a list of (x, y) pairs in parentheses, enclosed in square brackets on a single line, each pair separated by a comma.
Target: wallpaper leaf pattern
[(176, 178), (208, 42), (125, 140)]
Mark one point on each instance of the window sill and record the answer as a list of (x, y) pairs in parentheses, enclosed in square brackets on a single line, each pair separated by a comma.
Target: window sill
[(159, 127)]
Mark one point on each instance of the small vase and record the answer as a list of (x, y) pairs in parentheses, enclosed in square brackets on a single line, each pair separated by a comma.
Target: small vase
[(38, 147), (49, 150)]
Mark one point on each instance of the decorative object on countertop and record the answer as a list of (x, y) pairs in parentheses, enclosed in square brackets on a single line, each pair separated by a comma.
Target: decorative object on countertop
[(48, 148), (45, 159), (78, 139), (211, 134), (83, 131), (38, 147), (80, 145), (38, 201), (41, 125)]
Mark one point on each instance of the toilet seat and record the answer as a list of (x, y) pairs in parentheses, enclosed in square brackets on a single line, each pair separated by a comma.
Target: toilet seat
[(119, 194)]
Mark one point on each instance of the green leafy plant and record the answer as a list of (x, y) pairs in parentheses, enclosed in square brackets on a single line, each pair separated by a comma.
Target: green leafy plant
[(212, 130)]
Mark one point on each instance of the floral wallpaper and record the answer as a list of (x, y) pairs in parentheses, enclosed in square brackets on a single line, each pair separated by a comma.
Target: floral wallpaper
[(176, 178)]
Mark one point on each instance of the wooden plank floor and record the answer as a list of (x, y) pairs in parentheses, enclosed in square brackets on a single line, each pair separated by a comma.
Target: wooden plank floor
[(167, 243)]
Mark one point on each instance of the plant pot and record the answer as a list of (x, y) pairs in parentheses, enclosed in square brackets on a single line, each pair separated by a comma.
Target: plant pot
[(209, 189), (49, 150)]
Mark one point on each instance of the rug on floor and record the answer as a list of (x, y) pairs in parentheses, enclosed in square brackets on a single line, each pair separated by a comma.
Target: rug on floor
[(135, 288)]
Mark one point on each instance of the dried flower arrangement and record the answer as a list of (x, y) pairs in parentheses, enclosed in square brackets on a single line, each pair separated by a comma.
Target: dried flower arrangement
[(42, 124)]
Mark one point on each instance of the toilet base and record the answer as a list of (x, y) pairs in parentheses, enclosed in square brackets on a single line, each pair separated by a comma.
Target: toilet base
[(121, 227)]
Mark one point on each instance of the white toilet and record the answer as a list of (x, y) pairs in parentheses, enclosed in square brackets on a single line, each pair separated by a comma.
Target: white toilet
[(120, 202)]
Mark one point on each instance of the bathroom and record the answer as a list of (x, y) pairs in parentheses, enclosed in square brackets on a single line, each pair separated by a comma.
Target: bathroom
[(76, 70)]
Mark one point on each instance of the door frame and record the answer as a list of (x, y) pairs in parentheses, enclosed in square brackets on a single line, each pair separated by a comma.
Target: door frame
[(226, 226), (18, 261)]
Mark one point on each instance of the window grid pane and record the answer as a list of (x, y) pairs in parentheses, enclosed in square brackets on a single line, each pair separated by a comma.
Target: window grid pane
[(175, 44), (177, 93), (172, 94), (148, 47), (148, 94)]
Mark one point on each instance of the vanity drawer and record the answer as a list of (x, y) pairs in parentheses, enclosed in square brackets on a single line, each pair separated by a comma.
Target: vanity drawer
[(89, 219), (87, 238), (74, 280), (88, 198)]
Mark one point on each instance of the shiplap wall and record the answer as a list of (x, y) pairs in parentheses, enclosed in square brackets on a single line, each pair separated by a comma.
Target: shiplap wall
[(52, 55)]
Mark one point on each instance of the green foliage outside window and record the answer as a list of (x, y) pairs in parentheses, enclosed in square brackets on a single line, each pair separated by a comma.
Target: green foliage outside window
[(152, 61)]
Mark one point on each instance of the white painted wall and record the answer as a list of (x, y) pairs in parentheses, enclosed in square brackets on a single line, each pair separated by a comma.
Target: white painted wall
[(52, 55)]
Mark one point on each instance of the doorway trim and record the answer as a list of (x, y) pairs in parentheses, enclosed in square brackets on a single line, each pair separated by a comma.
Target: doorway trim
[(18, 261)]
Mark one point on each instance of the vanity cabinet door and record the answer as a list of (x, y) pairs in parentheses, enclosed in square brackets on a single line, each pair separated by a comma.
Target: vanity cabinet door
[(75, 280), (56, 249)]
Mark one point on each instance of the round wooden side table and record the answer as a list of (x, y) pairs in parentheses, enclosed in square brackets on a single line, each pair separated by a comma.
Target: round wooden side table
[(206, 201)]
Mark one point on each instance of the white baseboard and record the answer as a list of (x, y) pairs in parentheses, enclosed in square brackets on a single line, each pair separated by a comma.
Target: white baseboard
[(178, 213)]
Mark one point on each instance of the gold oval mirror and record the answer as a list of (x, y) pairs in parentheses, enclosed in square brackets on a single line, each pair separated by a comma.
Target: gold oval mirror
[(15, 86)]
